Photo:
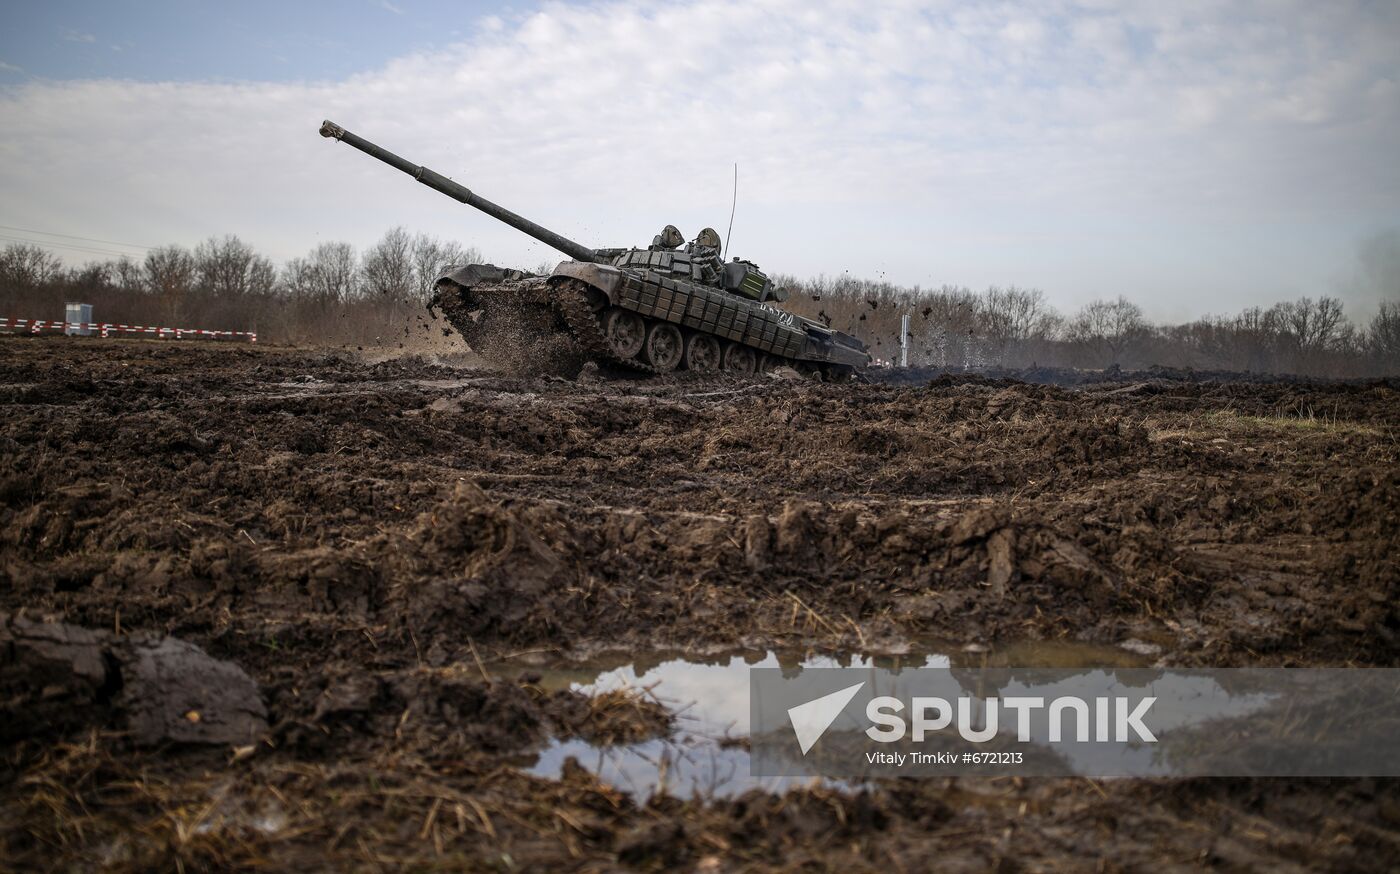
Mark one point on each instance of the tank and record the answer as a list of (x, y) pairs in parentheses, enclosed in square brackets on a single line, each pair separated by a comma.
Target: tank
[(668, 306)]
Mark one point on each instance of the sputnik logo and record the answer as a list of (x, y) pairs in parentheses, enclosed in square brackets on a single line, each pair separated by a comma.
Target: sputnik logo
[(811, 720)]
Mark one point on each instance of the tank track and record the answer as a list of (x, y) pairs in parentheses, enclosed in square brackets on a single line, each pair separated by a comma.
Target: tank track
[(571, 297), (572, 305)]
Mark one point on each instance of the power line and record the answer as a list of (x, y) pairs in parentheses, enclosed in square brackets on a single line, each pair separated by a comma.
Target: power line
[(49, 245), (71, 237)]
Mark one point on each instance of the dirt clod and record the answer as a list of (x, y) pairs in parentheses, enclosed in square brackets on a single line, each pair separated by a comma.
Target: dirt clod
[(174, 692), (57, 678)]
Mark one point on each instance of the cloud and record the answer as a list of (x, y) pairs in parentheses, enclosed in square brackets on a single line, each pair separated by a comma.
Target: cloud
[(385, 4), (1039, 143), (10, 68), (75, 36)]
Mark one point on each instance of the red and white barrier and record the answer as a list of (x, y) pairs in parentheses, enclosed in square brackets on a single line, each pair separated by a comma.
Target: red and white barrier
[(105, 329)]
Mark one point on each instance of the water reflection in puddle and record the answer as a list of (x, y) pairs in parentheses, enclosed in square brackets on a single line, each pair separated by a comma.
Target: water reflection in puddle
[(708, 752)]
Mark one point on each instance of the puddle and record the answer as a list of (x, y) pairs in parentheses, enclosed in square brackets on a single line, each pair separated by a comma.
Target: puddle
[(707, 754)]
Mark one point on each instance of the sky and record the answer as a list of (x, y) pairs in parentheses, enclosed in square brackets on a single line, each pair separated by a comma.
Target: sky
[(1197, 156)]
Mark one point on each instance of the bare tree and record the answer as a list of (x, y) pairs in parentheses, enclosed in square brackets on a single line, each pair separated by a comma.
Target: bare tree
[(1107, 328), (297, 283), (127, 274), (389, 279), (170, 275), (1253, 339), (1311, 326), (1012, 320), (1383, 336), (944, 329), (387, 268), (432, 258), (327, 275), (229, 269), (96, 275), (25, 267), (1304, 330)]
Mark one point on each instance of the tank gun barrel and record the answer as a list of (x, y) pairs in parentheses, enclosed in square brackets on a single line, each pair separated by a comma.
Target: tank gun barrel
[(438, 182)]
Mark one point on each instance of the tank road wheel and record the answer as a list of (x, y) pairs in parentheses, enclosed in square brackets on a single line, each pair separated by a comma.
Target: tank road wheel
[(702, 353), (739, 358), (663, 346), (625, 332)]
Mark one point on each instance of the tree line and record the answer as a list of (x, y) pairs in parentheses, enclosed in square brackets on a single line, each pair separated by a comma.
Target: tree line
[(956, 328), (332, 295), (336, 296)]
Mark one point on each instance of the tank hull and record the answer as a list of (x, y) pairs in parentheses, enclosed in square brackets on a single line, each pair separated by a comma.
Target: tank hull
[(605, 309)]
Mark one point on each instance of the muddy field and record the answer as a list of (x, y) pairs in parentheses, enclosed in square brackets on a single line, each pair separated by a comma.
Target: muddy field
[(408, 559)]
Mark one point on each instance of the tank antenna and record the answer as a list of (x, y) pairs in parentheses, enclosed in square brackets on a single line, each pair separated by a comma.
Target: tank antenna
[(733, 203)]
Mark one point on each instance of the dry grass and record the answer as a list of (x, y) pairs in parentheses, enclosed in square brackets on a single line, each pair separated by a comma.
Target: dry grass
[(1220, 425), (622, 716), (1305, 421), (91, 805)]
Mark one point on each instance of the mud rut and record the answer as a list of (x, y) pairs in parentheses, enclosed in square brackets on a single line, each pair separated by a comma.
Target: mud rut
[(367, 541)]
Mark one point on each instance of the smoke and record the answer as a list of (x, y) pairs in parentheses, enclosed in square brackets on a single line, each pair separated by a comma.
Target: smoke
[(1377, 275)]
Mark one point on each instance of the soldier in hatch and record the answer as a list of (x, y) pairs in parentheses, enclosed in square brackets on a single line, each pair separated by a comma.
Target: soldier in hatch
[(705, 253), (669, 238)]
